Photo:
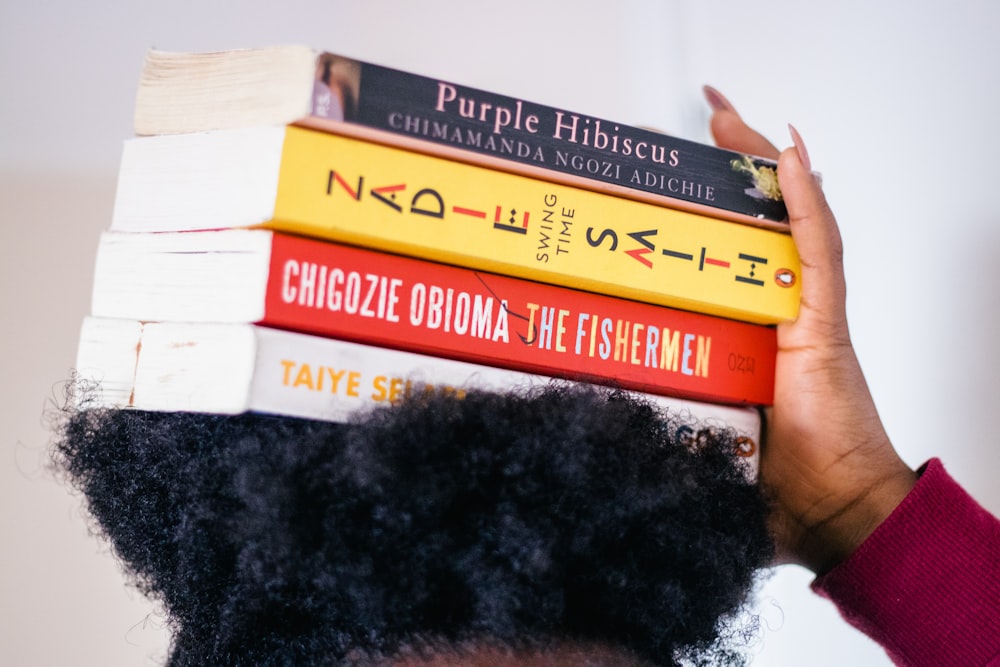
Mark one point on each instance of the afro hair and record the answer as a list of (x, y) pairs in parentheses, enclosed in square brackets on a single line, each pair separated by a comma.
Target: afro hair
[(565, 513)]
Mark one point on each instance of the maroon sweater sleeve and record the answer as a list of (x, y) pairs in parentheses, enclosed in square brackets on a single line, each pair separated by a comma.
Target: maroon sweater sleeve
[(926, 584)]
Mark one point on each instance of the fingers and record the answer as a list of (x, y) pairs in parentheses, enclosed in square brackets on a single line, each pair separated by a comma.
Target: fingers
[(813, 225), (731, 132), (816, 235)]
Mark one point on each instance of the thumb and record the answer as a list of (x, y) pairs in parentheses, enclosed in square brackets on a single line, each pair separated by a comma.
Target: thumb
[(817, 238)]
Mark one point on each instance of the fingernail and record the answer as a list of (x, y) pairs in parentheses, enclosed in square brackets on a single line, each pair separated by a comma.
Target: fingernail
[(716, 100), (800, 147)]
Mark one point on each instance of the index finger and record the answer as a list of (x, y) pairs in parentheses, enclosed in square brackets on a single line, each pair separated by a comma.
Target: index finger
[(729, 130)]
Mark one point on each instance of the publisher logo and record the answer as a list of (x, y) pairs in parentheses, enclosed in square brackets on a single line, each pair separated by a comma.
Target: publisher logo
[(784, 277), (745, 447)]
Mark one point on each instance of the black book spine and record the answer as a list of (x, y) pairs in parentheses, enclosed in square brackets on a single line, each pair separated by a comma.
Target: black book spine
[(500, 126)]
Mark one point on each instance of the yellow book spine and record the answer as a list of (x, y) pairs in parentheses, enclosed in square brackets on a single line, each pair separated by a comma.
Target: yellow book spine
[(390, 199)]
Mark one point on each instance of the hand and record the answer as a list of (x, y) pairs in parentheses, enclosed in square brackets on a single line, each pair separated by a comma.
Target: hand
[(827, 462)]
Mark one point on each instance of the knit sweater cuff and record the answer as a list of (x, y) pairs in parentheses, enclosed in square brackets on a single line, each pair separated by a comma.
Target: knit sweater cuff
[(926, 584)]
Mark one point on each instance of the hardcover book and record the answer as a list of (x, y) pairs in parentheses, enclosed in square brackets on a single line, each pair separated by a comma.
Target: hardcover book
[(339, 188), (190, 92), (235, 368), (330, 289)]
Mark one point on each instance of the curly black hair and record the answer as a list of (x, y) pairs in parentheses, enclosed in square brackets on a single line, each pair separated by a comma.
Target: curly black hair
[(566, 513)]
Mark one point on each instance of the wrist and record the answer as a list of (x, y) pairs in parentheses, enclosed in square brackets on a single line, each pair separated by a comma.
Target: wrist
[(835, 539)]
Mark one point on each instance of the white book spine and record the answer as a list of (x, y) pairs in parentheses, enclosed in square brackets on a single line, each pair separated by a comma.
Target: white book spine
[(232, 183), (216, 276), (234, 368)]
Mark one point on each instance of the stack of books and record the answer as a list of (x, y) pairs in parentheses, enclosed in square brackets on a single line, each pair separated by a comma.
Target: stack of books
[(303, 234)]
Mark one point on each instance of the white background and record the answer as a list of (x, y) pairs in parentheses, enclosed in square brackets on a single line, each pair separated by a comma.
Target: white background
[(896, 102)]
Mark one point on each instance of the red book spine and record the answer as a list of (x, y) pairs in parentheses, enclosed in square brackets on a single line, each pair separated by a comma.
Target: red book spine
[(398, 302)]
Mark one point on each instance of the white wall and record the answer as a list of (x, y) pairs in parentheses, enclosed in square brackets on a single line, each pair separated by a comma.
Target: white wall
[(895, 106)]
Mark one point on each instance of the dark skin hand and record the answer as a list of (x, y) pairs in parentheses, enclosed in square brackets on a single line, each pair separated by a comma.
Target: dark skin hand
[(827, 460)]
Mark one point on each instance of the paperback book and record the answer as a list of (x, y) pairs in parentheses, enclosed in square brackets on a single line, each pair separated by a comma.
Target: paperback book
[(330, 289), (236, 368), (324, 185), (191, 92)]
